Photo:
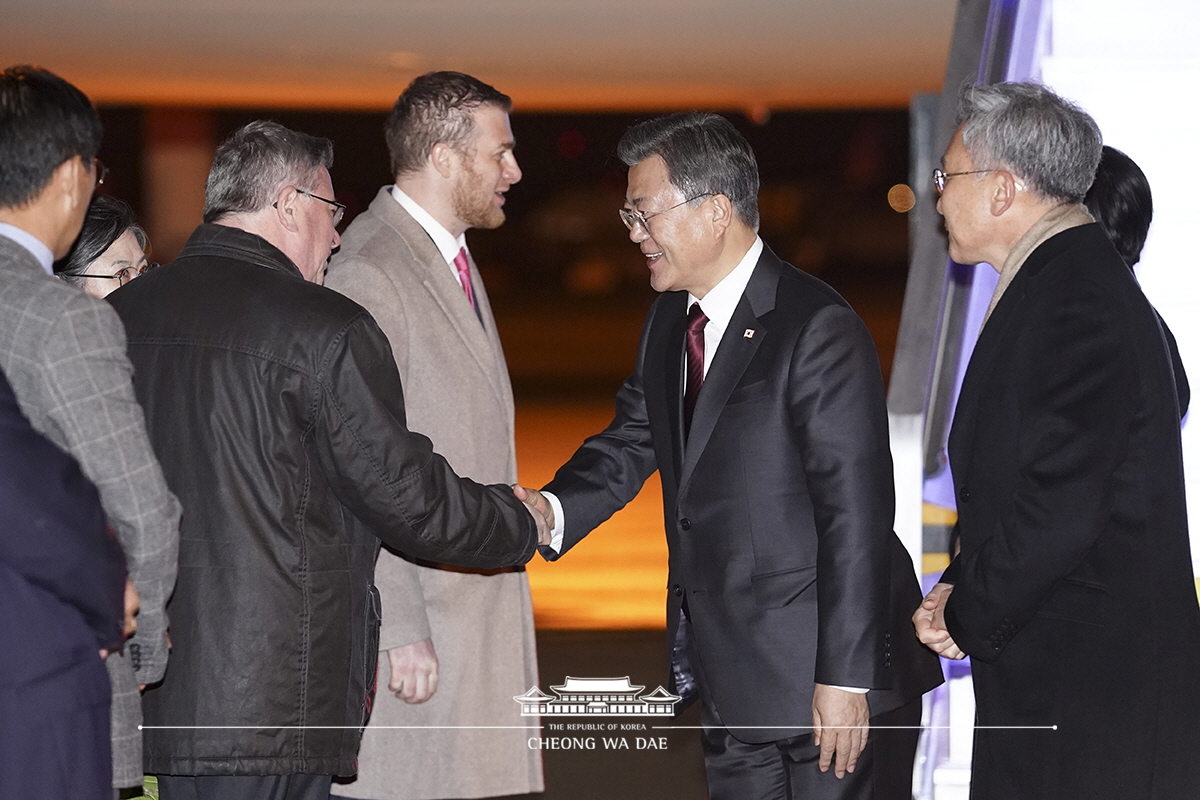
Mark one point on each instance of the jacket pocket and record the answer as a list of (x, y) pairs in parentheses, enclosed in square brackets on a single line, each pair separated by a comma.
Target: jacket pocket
[(1077, 601), (750, 392), (777, 589)]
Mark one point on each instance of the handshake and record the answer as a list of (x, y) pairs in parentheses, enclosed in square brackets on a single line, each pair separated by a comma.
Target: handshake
[(541, 510)]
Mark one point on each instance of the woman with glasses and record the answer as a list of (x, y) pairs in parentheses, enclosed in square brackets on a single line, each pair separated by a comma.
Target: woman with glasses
[(110, 250)]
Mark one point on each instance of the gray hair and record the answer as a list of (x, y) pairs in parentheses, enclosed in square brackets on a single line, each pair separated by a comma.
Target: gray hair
[(256, 161), (1047, 141), (704, 155)]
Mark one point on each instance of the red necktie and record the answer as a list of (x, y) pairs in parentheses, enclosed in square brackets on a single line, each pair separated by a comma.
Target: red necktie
[(694, 344), (464, 276)]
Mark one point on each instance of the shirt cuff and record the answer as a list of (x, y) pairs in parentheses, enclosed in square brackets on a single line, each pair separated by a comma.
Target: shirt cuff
[(556, 533), (852, 689)]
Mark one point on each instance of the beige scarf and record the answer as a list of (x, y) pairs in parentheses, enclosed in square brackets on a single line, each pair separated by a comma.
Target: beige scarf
[(1052, 223)]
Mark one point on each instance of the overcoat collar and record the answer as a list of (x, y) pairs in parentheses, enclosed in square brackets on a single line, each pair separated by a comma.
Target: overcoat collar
[(996, 333), (480, 340), (224, 241)]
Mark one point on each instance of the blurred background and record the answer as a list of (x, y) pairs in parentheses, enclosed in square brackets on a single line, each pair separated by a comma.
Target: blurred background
[(821, 90)]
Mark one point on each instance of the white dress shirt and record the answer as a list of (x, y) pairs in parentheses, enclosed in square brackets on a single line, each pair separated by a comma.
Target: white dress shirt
[(718, 306), (446, 244)]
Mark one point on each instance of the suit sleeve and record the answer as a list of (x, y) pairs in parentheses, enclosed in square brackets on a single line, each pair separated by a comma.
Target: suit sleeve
[(391, 479), (89, 378), (52, 529), (1076, 382), (608, 469), (837, 411), (405, 619)]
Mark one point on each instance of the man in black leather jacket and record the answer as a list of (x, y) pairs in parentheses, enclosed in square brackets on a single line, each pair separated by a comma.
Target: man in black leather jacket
[(276, 410)]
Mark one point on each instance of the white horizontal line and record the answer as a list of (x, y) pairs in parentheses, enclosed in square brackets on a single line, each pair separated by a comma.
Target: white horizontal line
[(864, 727), (331, 727), (543, 727)]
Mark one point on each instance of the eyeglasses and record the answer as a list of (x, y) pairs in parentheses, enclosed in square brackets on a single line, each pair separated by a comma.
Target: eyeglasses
[(339, 209), (100, 170), (940, 178), (122, 276), (632, 217)]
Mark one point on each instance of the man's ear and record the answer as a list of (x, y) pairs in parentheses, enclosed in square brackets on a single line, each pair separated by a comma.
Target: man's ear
[(444, 159), (72, 183), (1004, 192), (66, 197), (721, 213), (287, 208)]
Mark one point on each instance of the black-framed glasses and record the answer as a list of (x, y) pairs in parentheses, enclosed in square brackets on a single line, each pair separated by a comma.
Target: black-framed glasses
[(100, 170), (123, 276), (632, 217), (940, 178), (339, 208)]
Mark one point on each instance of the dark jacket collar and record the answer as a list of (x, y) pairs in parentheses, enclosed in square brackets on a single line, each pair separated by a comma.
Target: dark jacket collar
[(223, 241)]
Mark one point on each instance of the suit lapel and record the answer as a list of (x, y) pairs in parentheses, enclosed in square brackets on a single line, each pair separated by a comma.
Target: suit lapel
[(662, 373), (732, 357), (480, 340)]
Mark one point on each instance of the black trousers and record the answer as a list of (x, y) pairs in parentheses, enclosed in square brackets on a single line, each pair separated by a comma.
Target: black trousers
[(788, 770), (244, 787)]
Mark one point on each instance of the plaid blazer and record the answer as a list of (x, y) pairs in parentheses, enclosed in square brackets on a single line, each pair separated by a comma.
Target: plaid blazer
[(64, 353)]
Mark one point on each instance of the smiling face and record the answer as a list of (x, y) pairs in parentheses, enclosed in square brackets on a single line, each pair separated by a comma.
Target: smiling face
[(487, 169), (680, 251)]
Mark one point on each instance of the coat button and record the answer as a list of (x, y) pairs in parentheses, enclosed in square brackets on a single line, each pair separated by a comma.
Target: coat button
[(685, 524), (677, 590), (964, 494)]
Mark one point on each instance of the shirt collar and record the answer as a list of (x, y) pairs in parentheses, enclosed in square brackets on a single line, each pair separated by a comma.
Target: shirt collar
[(721, 301), (36, 247), (446, 244)]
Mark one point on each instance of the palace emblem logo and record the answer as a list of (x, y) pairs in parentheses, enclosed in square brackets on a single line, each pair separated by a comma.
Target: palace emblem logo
[(603, 697)]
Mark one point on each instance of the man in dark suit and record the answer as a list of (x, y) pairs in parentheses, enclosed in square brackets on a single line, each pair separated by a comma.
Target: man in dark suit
[(764, 415), (62, 579), (1073, 592)]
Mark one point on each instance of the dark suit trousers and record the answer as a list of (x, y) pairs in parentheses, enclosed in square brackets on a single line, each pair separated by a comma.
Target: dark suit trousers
[(787, 770)]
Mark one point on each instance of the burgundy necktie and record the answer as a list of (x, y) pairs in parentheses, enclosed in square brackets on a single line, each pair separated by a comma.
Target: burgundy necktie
[(694, 344), (464, 276)]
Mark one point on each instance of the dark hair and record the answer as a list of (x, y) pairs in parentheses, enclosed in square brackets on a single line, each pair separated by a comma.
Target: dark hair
[(704, 155), (436, 107), (1046, 140), (1120, 201), (44, 121), (107, 219), (256, 161)]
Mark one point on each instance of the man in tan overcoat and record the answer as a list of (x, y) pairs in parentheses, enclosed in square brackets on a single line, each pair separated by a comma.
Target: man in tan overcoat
[(459, 644)]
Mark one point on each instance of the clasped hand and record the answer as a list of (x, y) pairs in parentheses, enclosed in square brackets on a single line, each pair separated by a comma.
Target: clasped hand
[(930, 622), (540, 508)]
